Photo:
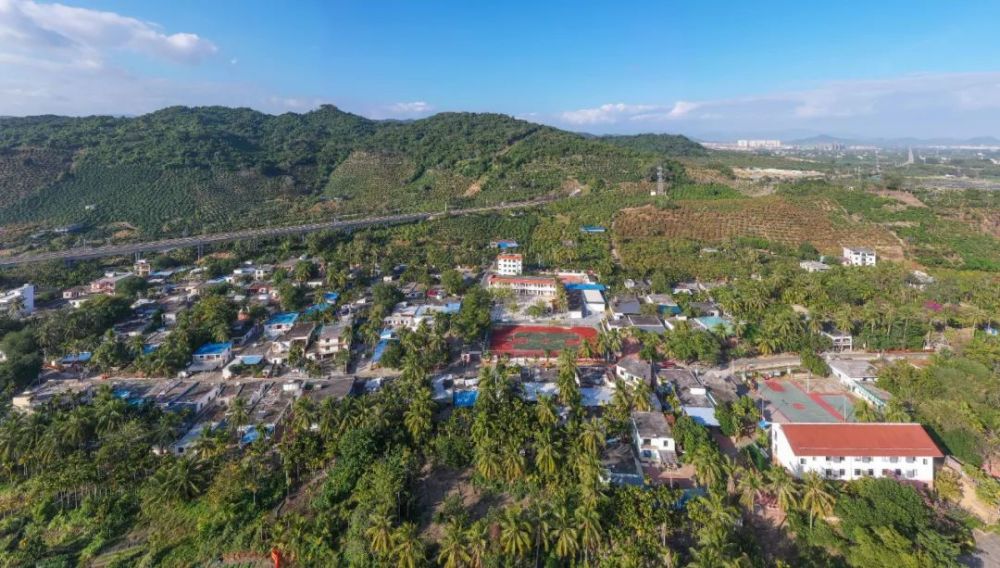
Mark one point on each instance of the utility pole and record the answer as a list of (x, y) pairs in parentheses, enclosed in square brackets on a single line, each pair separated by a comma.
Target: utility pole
[(659, 180)]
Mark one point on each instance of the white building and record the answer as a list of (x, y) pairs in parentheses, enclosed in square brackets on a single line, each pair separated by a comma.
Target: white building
[(510, 264), (813, 266), (331, 339), (848, 451), (653, 438), (758, 144), (859, 256), (524, 285), (852, 370), (594, 301), (18, 302)]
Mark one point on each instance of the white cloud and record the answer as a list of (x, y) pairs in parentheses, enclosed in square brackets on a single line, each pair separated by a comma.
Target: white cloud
[(410, 108), (62, 59), (606, 113), (960, 104), (86, 35)]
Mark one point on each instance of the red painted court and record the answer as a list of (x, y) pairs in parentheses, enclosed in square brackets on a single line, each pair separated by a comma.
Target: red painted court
[(537, 340)]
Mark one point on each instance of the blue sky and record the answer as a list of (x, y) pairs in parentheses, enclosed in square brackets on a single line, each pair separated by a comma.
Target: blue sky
[(703, 68)]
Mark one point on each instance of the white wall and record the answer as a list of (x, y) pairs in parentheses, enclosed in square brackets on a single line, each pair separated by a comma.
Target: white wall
[(921, 468)]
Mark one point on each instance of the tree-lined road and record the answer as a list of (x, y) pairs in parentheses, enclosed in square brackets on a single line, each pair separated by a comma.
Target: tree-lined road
[(87, 253)]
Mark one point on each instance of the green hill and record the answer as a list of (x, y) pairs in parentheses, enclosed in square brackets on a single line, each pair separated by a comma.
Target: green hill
[(665, 144), (190, 170)]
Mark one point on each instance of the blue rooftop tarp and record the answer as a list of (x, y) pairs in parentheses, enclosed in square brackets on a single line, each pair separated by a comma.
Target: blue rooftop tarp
[(316, 308), (331, 297), (506, 244), (380, 348), (387, 334), (214, 348), (712, 322), (149, 348), (287, 318), (81, 357), (586, 286), (465, 398), (592, 229), (251, 359)]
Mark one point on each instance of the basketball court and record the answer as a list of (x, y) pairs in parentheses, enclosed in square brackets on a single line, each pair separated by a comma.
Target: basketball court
[(789, 401), (538, 341)]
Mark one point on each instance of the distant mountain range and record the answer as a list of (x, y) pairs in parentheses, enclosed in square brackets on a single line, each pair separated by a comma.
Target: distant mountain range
[(824, 139)]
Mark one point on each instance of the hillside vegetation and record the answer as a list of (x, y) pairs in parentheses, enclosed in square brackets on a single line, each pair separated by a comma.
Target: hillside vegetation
[(667, 144), (188, 170)]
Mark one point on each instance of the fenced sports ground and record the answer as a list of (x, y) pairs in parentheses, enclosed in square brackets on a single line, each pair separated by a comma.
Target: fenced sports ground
[(538, 340), (789, 400)]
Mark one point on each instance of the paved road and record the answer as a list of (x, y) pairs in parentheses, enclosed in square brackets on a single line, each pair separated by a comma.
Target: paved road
[(86, 253)]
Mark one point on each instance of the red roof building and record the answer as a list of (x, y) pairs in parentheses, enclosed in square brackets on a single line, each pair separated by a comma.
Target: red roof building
[(853, 450)]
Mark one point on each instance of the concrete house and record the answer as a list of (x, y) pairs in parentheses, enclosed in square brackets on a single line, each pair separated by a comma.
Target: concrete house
[(653, 438), (848, 451)]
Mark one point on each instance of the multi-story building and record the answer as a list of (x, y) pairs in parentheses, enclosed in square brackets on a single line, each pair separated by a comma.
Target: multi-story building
[(108, 283), (654, 438), (859, 256), (848, 451), (142, 268), (510, 264), (525, 285), (331, 339)]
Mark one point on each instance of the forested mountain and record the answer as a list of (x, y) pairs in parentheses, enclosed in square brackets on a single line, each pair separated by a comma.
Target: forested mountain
[(193, 169), (666, 144)]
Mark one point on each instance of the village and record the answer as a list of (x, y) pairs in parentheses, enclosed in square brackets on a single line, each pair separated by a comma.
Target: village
[(270, 357)]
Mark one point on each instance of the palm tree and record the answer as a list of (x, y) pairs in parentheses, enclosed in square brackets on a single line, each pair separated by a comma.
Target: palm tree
[(454, 551), (816, 498), (513, 463), (407, 549), (782, 486), (239, 415), (479, 543), (546, 455), (592, 437), (589, 522), (515, 534), (183, 479), (418, 415), (706, 557), (379, 534), (750, 487), (487, 463), (563, 533), (708, 467), (546, 411), (865, 413)]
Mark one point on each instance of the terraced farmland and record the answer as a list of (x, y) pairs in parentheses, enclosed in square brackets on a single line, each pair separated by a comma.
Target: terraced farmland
[(776, 219)]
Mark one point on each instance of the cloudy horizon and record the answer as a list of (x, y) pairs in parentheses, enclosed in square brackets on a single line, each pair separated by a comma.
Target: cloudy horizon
[(122, 58)]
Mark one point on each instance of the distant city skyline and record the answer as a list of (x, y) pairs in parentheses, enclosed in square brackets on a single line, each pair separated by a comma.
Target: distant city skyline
[(781, 70)]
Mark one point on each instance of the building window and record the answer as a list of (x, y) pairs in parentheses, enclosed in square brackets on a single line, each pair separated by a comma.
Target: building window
[(871, 472), (646, 442), (911, 473), (893, 459), (857, 473), (911, 460), (802, 461), (898, 472), (866, 460)]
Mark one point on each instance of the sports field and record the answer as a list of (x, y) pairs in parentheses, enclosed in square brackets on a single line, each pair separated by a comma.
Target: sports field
[(537, 340), (788, 400)]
